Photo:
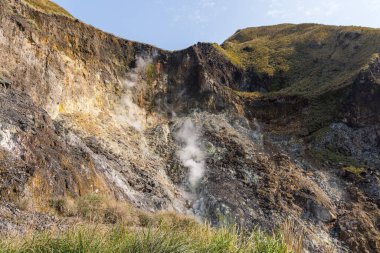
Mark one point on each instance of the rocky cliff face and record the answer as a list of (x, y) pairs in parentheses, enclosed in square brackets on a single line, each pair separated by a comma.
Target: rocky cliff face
[(209, 131)]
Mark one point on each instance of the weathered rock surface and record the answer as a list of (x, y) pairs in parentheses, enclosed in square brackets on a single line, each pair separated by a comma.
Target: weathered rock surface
[(83, 112)]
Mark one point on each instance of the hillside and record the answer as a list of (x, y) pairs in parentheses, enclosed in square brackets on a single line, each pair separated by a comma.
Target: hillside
[(306, 59), (312, 64), (278, 125)]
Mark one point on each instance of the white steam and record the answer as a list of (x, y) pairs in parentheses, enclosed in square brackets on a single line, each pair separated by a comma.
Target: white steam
[(135, 77), (258, 133), (191, 154), (132, 114), (126, 111)]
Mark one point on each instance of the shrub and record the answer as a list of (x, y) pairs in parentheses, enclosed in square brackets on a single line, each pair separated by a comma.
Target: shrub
[(59, 205), (100, 209)]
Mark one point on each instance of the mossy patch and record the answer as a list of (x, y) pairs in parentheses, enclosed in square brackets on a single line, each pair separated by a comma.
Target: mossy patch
[(150, 73), (354, 170), (322, 110), (331, 156), (320, 134), (61, 108), (245, 94)]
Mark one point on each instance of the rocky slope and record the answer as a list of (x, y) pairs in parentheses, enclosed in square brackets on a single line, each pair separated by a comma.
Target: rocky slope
[(277, 123)]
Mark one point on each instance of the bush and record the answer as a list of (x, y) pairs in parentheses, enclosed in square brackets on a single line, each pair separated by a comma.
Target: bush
[(100, 209), (59, 205)]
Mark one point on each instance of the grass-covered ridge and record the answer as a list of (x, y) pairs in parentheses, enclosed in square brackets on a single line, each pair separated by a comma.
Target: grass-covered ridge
[(47, 7), (105, 225), (306, 59)]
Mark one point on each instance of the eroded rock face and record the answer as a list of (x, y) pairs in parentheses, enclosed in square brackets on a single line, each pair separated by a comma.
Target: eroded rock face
[(83, 112), (43, 160), (359, 143), (362, 106), (36, 162)]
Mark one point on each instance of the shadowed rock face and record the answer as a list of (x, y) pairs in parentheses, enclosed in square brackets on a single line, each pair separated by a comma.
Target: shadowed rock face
[(362, 106), (84, 112)]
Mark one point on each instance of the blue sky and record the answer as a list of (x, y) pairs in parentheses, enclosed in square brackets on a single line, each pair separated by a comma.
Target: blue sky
[(177, 24)]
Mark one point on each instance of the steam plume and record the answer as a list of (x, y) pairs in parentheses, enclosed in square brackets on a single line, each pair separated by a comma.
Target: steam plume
[(191, 154), (126, 110)]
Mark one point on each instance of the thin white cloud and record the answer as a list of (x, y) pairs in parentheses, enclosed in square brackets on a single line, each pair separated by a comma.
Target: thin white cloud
[(277, 8), (197, 17), (291, 9), (277, 13), (197, 12), (207, 3)]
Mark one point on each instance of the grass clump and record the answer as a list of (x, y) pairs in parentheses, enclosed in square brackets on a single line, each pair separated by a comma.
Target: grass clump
[(48, 7), (98, 209), (59, 205)]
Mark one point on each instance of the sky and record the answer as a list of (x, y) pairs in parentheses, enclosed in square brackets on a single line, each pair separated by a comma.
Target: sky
[(178, 24)]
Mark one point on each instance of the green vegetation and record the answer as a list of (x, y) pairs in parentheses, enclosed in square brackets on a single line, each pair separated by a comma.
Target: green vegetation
[(318, 135), (314, 63), (47, 7), (322, 110), (331, 156), (230, 54), (246, 94), (162, 239), (307, 59), (150, 73), (99, 209), (354, 170), (110, 226)]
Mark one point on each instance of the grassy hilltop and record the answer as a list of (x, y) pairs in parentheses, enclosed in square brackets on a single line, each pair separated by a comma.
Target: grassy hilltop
[(48, 7), (306, 59)]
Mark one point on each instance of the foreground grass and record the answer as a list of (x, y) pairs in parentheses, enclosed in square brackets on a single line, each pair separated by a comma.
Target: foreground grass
[(198, 238), (110, 226)]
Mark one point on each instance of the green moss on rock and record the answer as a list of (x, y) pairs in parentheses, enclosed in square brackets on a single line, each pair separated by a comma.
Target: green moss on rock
[(354, 170), (150, 73), (332, 156)]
